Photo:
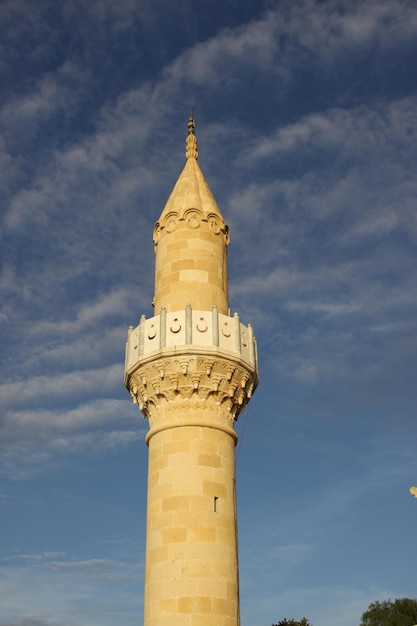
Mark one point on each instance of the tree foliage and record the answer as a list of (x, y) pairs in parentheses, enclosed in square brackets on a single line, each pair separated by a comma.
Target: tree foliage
[(292, 622), (402, 612)]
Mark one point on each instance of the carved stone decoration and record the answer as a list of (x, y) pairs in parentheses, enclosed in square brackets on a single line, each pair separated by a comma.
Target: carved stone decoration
[(202, 325), (175, 326), (156, 233), (226, 234), (208, 366), (170, 222), (193, 221), (152, 332), (193, 218), (226, 332), (208, 330), (171, 226), (215, 380), (213, 221)]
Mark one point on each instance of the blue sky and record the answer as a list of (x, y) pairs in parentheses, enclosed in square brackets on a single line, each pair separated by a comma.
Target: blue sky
[(307, 123)]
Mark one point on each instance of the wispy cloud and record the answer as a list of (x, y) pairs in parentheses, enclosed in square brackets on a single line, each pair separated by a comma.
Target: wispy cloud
[(45, 585), (95, 568), (72, 384), (113, 305), (35, 439)]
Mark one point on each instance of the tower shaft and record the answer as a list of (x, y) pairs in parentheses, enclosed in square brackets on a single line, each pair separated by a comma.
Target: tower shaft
[(191, 562), (191, 368)]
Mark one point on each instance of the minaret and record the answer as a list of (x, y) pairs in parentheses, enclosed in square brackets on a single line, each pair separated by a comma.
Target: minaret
[(191, 369)]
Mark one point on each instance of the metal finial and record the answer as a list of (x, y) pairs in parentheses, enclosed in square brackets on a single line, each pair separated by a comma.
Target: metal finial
[(191, 151), (191, 123)]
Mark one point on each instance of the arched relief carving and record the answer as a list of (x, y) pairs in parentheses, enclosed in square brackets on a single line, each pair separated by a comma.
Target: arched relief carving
[(191, 212), (193, 221), (217, 225), (193, 218), (170, 221), (214, 222)]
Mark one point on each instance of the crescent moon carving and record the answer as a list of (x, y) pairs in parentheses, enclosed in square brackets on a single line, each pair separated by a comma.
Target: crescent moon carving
[(176, 326), (200, 327), (225, 330)]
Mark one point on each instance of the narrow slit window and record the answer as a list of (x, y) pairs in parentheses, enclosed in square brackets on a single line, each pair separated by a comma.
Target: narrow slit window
[(215, 503)]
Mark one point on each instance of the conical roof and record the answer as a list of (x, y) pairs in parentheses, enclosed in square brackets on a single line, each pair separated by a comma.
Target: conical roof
[(191, 190)]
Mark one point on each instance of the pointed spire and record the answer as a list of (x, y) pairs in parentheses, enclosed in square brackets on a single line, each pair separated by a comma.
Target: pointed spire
[(191, 151)]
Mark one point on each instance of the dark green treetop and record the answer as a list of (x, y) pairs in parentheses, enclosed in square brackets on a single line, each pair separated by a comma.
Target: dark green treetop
[(402, 612), (292, 622)]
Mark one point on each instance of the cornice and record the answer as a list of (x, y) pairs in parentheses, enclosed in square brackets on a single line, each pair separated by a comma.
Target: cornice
[(205, 377)]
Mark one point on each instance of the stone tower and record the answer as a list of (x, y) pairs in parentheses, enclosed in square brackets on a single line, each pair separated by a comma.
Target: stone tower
[(191, 369)]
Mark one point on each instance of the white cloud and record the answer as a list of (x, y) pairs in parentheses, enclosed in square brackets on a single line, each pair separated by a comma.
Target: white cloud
[(288, 35), (253, 44), (334, 25), (41, 590), (116, 303), (23, 458), (40, 103), (72, 384), (73, 418), (87, 350), (42, 424), (364, 131)]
